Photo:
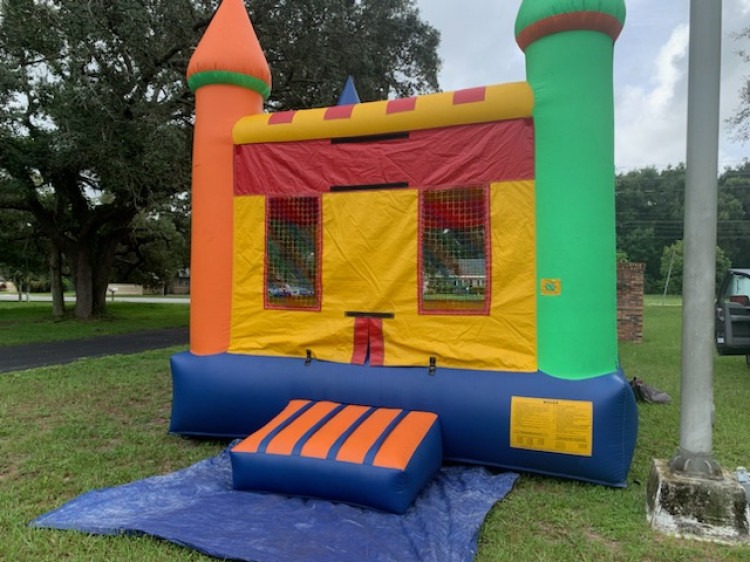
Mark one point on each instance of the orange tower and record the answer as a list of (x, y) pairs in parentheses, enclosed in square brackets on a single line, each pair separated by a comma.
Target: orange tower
[(230, 77)]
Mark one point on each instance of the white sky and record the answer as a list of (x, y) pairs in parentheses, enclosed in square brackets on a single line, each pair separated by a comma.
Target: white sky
[(478, 48)]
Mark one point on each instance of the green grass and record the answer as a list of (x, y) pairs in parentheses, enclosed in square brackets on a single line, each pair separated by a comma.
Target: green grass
[(29, 322), (69, 429), (662, 300), (103, 422), (544, 519)]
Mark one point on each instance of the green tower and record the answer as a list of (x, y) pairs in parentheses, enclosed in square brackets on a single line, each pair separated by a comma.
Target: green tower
[(569, 49)]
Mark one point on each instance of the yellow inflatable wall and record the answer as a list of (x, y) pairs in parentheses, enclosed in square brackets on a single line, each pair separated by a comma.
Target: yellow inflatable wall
[(369, 295)]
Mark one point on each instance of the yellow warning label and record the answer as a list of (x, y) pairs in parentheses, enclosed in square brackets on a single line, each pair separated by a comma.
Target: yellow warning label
[(551, 287), (555, 426)]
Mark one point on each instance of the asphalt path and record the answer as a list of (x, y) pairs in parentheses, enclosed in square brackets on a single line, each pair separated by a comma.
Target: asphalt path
[(121, 298), (31, 356)]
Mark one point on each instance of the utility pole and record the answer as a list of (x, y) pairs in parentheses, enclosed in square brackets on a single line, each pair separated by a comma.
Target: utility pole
[(691, 495), (699, 277)]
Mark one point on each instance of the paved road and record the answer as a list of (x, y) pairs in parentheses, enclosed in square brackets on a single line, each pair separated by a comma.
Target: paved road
[(121, 298), (30, 356)]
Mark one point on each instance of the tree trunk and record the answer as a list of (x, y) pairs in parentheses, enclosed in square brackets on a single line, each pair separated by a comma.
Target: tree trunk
[(90, 265), (58, 299), (81, 268), (105, 259)]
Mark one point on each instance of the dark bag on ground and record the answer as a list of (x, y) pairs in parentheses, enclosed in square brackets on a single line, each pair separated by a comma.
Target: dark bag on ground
[(647, 393)]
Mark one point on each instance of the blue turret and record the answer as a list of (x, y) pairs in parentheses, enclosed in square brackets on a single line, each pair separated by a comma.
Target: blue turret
[(349, 94)]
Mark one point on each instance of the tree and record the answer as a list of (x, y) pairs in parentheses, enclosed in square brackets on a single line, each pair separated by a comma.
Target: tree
[(312, 46), (741, 120), (734, 212), (94, 128), (95, 114), (650, 208), (23, 253), (649, 215), (157, 248), (672, 262)]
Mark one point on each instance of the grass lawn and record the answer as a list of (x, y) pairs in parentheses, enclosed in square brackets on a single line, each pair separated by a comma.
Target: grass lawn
[(103, 422), (551, 520), (29, 322)]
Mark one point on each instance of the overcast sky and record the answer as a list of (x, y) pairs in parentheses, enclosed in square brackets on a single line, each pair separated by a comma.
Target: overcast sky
[(478, 48)]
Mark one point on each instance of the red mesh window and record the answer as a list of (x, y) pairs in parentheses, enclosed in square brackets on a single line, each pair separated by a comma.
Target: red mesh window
[(454, 255), (293, 252)]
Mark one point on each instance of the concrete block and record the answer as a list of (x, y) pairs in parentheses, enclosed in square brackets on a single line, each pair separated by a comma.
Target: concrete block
[(699, 508)]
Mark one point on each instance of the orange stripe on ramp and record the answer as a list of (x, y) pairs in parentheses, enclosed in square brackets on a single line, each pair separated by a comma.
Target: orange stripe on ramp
[(399, 446), (321, 442), (363, 438), (284, 442), (251, 444)]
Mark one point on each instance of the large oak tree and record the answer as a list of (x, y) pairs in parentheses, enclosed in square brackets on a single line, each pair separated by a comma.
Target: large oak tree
[(313, 46), (95, 115), (93, 128)]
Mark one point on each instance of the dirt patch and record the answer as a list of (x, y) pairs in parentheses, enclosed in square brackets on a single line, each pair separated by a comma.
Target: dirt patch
[(611, 545), (8, 472)]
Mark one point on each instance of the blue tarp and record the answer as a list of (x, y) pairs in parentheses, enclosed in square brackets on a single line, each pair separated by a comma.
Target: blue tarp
[(196, 507)]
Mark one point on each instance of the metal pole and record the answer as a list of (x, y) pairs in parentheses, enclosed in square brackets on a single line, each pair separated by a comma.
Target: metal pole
[(695, 455)]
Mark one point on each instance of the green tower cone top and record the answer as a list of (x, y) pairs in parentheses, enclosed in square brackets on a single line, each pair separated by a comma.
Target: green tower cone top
[(539, 18)]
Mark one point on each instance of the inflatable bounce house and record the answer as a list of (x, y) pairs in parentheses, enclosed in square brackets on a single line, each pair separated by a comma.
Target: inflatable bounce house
[(381, 287)]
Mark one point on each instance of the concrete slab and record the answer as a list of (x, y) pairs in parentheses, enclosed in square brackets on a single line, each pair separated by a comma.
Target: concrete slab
[(698, 508)]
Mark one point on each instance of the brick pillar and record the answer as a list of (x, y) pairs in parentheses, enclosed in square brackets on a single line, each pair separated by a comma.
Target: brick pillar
[(630, 302)]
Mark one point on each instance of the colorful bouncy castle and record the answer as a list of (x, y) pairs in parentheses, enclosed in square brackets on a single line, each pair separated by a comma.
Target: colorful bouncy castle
[(389, 283)]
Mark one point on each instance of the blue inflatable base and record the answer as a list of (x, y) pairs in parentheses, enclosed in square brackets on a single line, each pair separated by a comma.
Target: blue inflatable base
[(230, 395)]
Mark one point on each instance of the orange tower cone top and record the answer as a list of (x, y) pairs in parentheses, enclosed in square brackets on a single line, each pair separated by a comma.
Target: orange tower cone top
[(229, 53)]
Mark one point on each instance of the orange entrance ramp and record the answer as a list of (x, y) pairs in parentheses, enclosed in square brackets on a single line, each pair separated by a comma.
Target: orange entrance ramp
[(374, 457)]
